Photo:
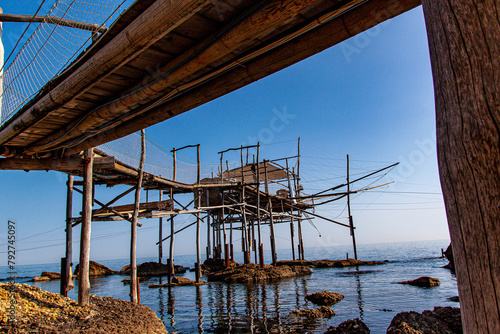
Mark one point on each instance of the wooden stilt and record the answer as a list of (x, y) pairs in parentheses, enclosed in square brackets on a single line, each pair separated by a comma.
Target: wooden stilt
[(246, 237), (69, 233), (259, 231), (271, 218), (464, 41), (208, 228), (171, 268), (83, 274), (198, 221), (299, 222), (223, 222), (134, 286), (351, 223)]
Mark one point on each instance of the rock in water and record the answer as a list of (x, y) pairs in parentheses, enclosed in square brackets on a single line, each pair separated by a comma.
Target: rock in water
[(425, 282), (254, 273), (322, 312), (354, 326), (443, 320), (325, 298), (96, 270), (153, 269)]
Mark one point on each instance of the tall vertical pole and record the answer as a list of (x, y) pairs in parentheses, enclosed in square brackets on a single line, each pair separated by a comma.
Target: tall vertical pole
[(83, 275), (1, 66), (299, 221), (271, 218), (198, 220), (259, 232), (69, 232), (208, 224), (160, 232), (134, 286), (171, 267), (351, 223), (290, 191), (246, 248)]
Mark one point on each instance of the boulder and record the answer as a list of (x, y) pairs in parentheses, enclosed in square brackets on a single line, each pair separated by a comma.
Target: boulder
[(322, 312), (354, 326), (97, 270), (40, 279), (255, 273), (455, 299), (214, 265), (444, 320), (424, 282), (153, 269), (51, 275), (325, 298)]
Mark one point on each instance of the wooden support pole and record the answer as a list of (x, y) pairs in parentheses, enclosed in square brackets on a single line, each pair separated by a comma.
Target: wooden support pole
[(299, 222), (259, 230), (271, 219), (83, 274), (198, 239), (208, 227), (160, 232), (171, 267), (351, 223), (69, 232), (244, 235), (223, 222), (464, 43), (134, 286)]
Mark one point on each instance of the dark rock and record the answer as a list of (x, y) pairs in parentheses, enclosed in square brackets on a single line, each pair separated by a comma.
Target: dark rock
[(354, 326), (325, 298), (141, 279), (153, 269), (255, 273), (454, 299), (214, 265), (40, 279), (329, 263), (322, 312), (96, 270), (444, 320), (425, 282)]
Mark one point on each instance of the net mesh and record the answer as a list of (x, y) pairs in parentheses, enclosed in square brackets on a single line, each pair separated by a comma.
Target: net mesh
[(50, 49), (159, 160)]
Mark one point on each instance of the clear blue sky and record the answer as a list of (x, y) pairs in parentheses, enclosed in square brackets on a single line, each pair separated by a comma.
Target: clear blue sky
[(370, 97)]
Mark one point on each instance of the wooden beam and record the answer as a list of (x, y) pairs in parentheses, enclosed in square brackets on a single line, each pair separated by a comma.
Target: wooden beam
[(83, 273), (52, 20), (62, 164), (153, 24), (464, 42), (330, 33), (151, 206)]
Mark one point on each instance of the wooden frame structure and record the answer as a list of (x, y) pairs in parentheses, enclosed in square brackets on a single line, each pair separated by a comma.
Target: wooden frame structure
[(89, 104)]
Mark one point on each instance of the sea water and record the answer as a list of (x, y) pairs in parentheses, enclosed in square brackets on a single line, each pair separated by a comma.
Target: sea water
[(371, 292)]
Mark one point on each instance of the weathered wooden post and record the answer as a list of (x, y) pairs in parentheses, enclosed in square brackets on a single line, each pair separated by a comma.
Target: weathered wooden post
[(134, 283), (464, 42), (83, 274), (160, 232), (198, 221), (69, 233), (271, 218)]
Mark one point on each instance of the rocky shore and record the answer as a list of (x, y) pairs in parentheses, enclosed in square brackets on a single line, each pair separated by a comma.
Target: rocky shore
[(255, 273), (38, 311), (329, 263)]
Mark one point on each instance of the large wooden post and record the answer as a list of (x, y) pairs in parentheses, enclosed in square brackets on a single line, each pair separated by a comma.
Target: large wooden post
[(464, 42), (69, 233), (134, 297), (83, 274)]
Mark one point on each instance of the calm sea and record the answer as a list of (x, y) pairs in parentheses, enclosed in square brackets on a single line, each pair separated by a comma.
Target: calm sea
[(370, 294)]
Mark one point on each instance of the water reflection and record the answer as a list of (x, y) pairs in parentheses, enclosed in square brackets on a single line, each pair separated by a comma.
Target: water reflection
[(360, 298), (199, 306)]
